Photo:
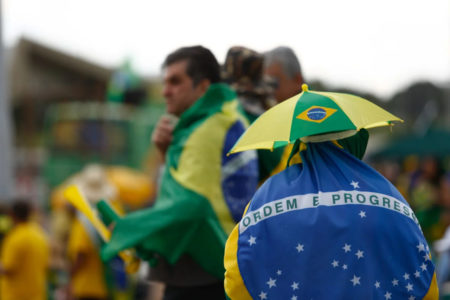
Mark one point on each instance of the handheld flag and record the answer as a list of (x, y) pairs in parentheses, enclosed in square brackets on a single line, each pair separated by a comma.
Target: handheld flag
[(75, 197)]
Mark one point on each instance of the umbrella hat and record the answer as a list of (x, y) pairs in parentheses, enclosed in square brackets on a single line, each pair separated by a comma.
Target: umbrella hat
[(313, 116)]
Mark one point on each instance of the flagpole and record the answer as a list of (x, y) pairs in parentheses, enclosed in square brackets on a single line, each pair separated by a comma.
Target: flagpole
[(6, 171)]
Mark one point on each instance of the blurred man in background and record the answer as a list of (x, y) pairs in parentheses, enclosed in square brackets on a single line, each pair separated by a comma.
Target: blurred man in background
[(203, 191), (282, 65), (24, 258)]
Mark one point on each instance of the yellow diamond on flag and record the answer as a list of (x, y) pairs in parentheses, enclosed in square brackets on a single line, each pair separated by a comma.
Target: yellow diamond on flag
[(316, 114)]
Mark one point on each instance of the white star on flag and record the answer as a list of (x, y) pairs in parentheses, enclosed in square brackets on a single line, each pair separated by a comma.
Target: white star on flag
[(395, 282), (377, 284), (387, 295), (412, 298), (344, 267), (355, 184), (426, 257), (262, 295), (272, 282), (294, 297), (294, 285), (359, 254), (423, 267), (335, 263), (347, 248), (406, 276), (421, 247), (417, 274), (279, 272), (409, 287), (362, 214), (252, 240), (355, 280), (299, 247)]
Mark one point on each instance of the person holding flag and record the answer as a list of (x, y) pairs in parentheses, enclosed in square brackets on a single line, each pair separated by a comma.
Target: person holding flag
[(330, 227), (203, 191)]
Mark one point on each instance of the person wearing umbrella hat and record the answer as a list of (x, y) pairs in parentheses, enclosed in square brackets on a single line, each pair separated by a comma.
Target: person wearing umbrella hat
[(203, 191), (330, 227)]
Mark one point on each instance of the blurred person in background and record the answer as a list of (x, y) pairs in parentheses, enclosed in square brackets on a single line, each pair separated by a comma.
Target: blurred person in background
[(243, 71), (24, 257), (87, 271), (282, 65), (424, 198), (203, 192)]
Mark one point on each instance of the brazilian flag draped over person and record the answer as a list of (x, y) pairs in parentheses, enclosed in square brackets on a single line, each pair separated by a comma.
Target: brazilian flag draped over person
[(330, 227), (203, 191)]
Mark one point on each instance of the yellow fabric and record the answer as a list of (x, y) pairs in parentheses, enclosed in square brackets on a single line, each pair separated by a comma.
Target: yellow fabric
[(25, 253), (75, 197), (89, 280), (205, 145), (234, 284), (362, 113), (433, 291), (275, 128)]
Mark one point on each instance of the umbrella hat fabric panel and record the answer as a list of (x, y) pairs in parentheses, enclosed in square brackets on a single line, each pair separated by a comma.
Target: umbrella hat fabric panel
[(314, 115)]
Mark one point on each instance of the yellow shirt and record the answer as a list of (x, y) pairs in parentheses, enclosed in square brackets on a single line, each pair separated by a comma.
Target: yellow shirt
[(25, 254), (88, 281)]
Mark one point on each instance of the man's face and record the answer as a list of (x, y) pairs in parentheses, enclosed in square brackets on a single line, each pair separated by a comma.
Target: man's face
[(286, 86), (179, 90)]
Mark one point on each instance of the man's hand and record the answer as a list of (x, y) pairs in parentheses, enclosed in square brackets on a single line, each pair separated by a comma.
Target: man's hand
[(162, 134)]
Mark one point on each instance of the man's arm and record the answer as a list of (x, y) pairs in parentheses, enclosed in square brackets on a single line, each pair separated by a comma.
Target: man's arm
[(162, 134)]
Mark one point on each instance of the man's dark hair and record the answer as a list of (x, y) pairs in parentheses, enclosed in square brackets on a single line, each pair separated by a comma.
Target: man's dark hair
[(21, 210), (201, 63)]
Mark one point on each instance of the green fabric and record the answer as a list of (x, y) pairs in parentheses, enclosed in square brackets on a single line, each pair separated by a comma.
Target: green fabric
[(300, 128), (107, 213), (181, 221), (356, 144)]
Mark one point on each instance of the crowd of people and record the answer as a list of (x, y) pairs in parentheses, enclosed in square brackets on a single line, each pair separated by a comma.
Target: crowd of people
[(203, 192)]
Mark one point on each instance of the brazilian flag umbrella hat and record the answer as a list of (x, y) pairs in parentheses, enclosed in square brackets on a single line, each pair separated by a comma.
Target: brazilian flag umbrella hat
[(313, 116)]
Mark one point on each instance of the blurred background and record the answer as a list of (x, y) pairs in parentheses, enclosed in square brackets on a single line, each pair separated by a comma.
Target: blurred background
[(80, 85)]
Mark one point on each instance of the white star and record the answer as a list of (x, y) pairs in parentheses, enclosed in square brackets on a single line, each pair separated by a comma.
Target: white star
[(335, 263), (359, 254), (423, 267), (344, 267), (252, 240), (412, 298), (294, 298), (387, 295), (377, 284), (406, 276), (409, 287), (362, 214), (426, 257), (279, 272), (294, 285), (272, 283), (421, 247), (417, 274), (299, 247), (262, 296), (355, 184), (355, 280), (347, 248), (395, 282)]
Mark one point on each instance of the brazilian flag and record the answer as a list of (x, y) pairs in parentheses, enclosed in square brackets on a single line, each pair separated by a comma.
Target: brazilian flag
[(330, 227), (203, 191)]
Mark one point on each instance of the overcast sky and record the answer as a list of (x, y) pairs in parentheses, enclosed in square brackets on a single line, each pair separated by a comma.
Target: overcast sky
[(380, 46)]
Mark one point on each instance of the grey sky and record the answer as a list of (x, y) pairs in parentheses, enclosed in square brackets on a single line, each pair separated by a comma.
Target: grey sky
[(379, 46)]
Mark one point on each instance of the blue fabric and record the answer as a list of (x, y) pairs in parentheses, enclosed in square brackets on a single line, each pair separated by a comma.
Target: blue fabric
[(241, 181), (332, 228)]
